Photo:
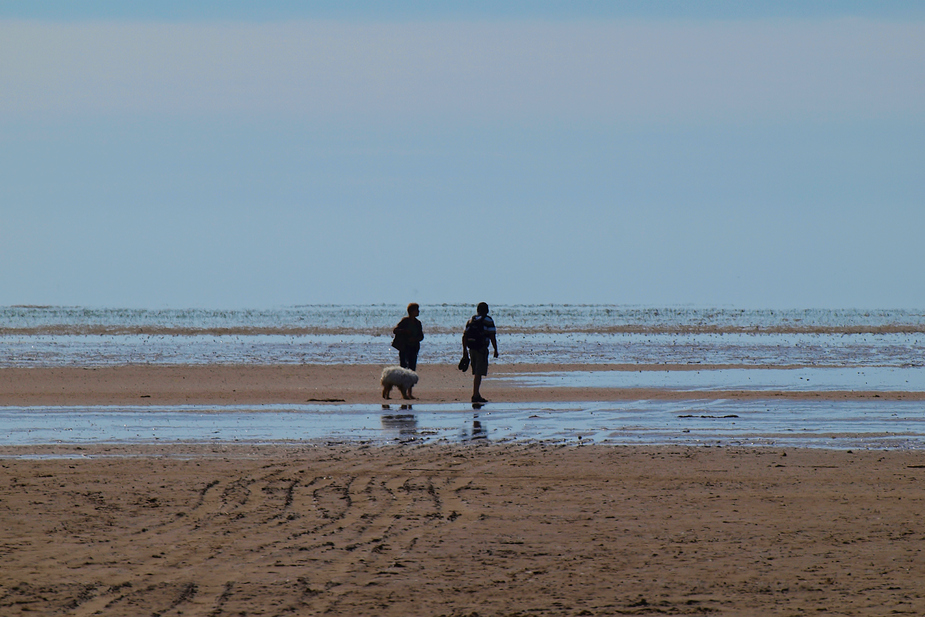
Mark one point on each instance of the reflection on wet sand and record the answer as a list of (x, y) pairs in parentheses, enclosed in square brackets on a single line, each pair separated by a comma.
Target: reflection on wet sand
[(876, 423), (405, 424), (477, 431)]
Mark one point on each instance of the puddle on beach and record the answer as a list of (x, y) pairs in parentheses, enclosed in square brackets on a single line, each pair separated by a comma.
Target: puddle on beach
[(869, 378), (826, 424)]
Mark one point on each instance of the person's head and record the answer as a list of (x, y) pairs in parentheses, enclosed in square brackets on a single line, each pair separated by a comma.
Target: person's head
[(414, 310), (482, 308)]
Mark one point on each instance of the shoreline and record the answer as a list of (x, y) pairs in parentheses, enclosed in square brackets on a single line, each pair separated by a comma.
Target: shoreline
[(354, 384)]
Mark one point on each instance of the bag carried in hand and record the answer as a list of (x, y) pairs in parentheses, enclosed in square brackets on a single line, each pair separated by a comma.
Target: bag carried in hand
[(464, 364)]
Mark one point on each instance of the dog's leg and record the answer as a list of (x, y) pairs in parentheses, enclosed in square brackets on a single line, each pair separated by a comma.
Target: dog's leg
[(386, 390), (404, 392)]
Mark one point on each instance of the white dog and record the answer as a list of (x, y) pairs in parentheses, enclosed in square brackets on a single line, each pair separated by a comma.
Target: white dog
[(401, 378)]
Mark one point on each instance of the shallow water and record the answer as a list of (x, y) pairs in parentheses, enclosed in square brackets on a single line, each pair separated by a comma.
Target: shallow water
[(531, 348), (854, 424), (804, 379)]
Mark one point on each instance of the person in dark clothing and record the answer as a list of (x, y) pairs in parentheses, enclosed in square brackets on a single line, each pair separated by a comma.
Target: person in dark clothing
[(479, 332), (408, 336)]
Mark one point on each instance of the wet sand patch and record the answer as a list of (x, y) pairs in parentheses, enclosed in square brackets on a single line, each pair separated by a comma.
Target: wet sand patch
[(358, 384)]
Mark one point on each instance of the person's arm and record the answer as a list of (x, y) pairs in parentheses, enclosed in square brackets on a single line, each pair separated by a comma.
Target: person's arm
[(490, 332), (465, 349)]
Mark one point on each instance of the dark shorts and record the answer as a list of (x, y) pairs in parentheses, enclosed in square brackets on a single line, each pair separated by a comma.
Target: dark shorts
[(479, 361)]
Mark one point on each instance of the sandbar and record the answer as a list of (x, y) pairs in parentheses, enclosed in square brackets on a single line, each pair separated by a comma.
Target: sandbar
[(261, 384)]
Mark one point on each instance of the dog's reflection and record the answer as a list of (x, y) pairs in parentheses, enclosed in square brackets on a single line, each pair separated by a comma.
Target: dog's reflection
[(405, 424)]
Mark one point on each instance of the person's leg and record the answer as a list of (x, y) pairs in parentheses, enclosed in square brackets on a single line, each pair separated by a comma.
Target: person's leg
[(479, 363), (411, 358)]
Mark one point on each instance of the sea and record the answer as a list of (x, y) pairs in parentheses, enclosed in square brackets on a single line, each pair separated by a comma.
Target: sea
[(720, 349), (45, 336)]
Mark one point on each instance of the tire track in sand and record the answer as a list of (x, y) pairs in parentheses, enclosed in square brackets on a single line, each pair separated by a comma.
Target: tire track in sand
[(229, 506), (334, 533), (417, 507)]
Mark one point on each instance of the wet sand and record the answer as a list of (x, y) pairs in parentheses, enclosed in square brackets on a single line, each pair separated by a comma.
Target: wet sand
[(462, 530), (226, 385), (518, 529)]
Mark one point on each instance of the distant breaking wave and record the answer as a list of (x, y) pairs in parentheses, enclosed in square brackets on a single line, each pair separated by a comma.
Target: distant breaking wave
[(447, 319), (153, 330)]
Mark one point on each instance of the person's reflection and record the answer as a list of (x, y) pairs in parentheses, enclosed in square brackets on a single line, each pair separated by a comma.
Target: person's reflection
[(479, 431), (405, 424)]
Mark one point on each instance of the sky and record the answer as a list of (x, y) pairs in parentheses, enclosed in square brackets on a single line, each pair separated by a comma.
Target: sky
[(253, 155)]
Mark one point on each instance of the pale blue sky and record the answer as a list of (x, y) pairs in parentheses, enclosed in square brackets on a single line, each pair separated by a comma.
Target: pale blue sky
[(216, 154)]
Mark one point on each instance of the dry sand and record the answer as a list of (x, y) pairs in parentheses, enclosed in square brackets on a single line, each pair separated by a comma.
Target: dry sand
[(440, 530)]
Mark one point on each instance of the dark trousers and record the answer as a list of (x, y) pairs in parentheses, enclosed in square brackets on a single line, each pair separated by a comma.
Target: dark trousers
[(408, 357)]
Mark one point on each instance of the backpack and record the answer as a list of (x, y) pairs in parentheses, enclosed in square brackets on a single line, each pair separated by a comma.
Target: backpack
[(475, 334)]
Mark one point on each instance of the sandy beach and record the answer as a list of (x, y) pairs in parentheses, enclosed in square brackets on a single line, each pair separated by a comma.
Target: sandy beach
[(488, 529), (439, 530)]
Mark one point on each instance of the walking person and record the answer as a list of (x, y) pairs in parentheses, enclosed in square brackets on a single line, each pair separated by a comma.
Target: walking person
[(479, 332), (408, 336)]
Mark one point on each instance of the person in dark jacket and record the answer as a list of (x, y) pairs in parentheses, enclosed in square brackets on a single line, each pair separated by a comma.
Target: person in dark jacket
[(408, 336)]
